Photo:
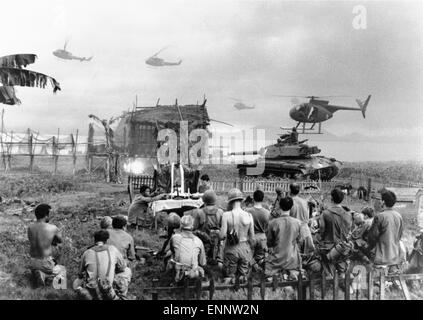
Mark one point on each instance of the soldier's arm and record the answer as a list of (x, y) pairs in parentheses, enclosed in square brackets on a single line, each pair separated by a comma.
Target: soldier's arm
[(81, 271), (321, 222), (58, 237), (270, 236), (131, 250), (224, 228), (374, 232), (120, 261), (202, 258)]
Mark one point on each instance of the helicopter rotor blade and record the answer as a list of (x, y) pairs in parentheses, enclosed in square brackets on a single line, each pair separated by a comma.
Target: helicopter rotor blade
[(287, 96), (309, 97), (235, 99), (160, 51), (228, 124)]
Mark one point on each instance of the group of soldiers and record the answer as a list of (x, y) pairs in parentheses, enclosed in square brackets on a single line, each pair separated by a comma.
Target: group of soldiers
[(246, 237), (285, 238)]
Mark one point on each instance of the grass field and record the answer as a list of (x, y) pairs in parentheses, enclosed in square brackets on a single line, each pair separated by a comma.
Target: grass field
[(78, 203)]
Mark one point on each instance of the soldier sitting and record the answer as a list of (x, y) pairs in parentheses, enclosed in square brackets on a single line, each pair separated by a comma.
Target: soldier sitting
[(42, 237), (188, 255)]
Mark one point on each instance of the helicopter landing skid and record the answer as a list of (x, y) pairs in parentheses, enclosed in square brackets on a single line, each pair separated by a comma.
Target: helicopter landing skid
[(304, 130)]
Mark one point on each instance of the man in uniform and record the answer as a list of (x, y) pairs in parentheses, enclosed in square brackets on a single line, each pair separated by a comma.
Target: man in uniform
[(385, 234), (261, 218), (188, 255), (124, 242), (335, 226), (276, 209), (238, 231), (284, 235), (97, 272), (207, 224), (42, 236)]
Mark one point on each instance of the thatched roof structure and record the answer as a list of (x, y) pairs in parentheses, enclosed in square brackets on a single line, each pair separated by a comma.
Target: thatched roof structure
[(136, 133), (194, 114)]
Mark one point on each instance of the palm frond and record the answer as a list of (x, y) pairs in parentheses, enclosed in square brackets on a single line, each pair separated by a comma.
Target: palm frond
[(26, 78), (17, 60)]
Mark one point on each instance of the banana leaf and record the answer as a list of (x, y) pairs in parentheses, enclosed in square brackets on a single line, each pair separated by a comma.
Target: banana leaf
[(17, 60), (7, 96), (26, 78)]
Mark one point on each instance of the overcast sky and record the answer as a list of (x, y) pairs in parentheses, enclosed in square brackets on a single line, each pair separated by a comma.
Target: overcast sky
[(244, 49)]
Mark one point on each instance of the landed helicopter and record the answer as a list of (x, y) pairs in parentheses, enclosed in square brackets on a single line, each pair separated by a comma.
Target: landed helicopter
[(66, 55), (317, 111), (155, 61), (241, 105)]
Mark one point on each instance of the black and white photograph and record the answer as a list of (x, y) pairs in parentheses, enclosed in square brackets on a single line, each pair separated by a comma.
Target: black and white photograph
[(226, 151)]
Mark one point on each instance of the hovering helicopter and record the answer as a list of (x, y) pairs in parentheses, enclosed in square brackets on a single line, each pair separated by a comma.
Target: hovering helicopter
[(159, 62), (317, 111), (241, 105), (63, 54)]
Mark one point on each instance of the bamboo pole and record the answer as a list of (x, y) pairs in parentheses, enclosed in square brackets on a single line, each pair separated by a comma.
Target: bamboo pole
[(30, 150)]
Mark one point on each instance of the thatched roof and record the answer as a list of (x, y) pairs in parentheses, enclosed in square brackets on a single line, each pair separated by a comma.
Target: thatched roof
[(165, 114)]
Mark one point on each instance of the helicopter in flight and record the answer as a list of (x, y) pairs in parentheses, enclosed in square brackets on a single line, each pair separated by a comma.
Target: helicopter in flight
[(241, 105), (155, 61), (66, 55), (317, 111)]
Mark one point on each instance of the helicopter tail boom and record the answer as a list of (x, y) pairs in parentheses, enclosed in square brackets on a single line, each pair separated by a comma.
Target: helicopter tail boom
[(363, 106)]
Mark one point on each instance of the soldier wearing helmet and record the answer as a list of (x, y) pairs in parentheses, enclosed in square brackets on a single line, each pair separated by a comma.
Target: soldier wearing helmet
[(207, 224)]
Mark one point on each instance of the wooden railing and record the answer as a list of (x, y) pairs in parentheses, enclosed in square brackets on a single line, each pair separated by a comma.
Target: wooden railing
[(306, 289)]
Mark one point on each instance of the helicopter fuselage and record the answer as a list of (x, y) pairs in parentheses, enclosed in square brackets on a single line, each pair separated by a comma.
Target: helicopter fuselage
[(63, 54), (159, 62), (66, 55), (310, 113)]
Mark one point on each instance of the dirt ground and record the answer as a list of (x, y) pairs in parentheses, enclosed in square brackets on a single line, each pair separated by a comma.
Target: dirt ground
[(78, 204)]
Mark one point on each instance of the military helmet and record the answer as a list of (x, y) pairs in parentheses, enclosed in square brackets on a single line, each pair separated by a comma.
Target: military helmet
[(235, 194), (209, 197)]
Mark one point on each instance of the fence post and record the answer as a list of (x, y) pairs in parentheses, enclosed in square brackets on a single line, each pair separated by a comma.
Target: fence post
[(311, 277), (335, 285), (74, 146), (30, 149), (211, 288), (382, 285), (263, 286), (369, 188), (250, 287), (198, 288), (370, 285), (154, 292), (54, 155), (90, 145), (108, 160), (347, 284), (186, 288), (300, 286), (323, 284)]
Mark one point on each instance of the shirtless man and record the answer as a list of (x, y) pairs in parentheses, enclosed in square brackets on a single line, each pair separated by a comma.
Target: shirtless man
[(42, 236)]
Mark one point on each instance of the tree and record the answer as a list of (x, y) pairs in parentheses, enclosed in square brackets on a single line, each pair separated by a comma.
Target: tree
[(12, 74)]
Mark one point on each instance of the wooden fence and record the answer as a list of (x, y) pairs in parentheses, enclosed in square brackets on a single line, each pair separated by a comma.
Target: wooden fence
[(306, 289), (269, 186)]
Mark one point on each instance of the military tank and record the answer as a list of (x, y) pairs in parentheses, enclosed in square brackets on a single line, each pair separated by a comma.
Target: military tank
[(292, 160)]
